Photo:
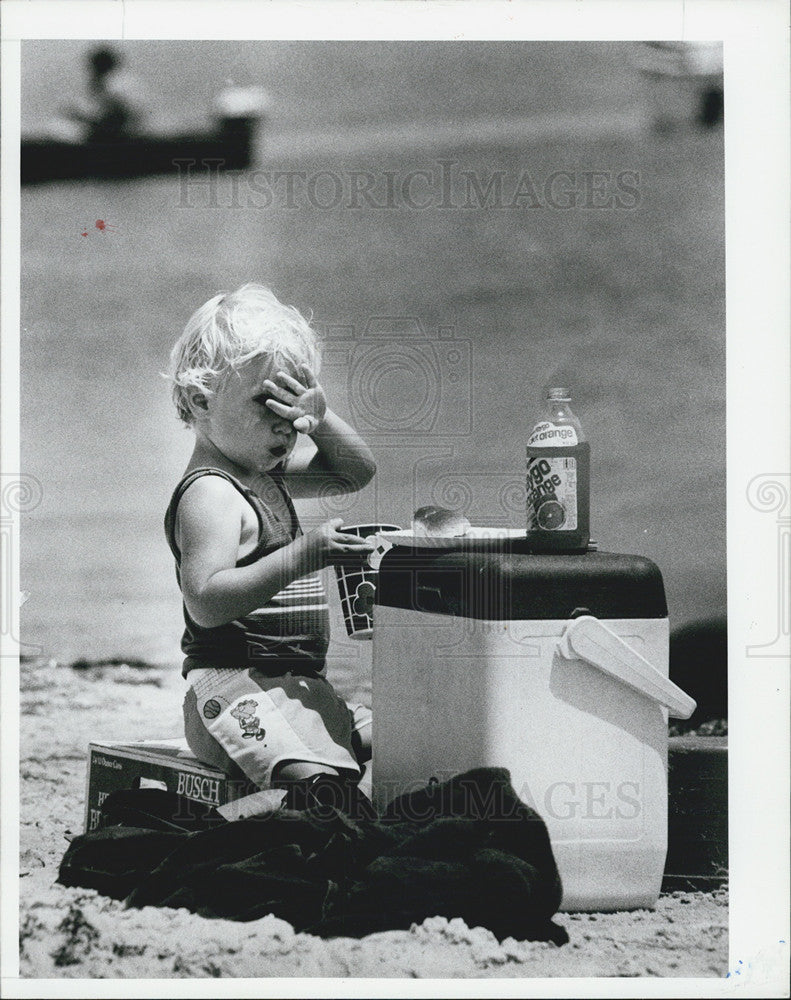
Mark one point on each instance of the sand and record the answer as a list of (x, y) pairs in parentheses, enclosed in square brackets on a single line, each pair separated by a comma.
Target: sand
[(77, 933)]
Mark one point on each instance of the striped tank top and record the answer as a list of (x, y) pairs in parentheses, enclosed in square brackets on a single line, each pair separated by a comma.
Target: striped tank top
[(290, 633)]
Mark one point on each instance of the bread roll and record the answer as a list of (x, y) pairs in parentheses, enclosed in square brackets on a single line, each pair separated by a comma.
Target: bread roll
[(439, 522)]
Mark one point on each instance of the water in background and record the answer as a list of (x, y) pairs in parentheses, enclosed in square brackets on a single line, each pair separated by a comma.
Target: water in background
[(626, 305), (335, 86)]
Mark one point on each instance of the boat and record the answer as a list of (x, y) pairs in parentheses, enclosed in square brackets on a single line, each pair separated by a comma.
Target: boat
[(230, 145)]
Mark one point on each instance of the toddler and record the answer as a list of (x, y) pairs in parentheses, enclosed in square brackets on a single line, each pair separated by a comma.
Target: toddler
[(257, 625)]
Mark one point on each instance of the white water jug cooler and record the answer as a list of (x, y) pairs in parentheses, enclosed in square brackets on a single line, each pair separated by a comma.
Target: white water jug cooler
[(553, 666)]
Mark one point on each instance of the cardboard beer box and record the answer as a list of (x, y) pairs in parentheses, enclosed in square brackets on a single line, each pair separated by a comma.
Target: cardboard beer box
[(166, 764)]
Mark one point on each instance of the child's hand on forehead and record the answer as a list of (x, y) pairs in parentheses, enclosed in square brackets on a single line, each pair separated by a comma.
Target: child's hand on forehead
[(302, 402)]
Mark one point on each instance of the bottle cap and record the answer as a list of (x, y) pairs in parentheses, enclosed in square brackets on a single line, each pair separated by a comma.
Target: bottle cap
[(562, 394)]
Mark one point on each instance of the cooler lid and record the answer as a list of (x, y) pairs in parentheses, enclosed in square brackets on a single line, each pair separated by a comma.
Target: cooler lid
[(509, 586)]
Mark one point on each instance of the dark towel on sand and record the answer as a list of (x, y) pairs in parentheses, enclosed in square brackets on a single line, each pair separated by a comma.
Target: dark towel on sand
[(468, 848)]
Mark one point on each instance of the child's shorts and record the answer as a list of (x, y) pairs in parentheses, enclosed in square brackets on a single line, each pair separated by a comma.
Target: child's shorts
[(245, 721)]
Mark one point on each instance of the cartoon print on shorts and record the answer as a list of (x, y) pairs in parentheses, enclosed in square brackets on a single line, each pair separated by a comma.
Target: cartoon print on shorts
[(212, 707), (249, 722)]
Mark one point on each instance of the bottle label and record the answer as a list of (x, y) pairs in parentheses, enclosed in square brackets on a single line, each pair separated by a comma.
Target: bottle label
[(551, 493), (548, 435)]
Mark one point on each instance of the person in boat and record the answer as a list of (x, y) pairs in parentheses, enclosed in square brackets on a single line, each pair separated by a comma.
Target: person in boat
[(114, 107)]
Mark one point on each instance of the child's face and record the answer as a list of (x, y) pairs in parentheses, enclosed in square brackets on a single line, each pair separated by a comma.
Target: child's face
[(241, 425)]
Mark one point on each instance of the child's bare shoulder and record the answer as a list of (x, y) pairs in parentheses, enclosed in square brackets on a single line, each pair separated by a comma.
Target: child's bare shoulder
[(210, 503), (209, 488)]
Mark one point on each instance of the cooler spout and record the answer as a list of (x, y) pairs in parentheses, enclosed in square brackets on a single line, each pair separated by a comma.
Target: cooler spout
[(588, 639)]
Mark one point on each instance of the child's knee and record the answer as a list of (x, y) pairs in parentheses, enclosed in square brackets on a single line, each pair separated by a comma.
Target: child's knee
[(362, 721)]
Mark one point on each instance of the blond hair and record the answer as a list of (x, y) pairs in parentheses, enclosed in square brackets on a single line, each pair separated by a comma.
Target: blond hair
[(231, 329)]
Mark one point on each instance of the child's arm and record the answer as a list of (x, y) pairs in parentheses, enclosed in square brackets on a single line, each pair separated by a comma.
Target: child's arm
[(341, 458), (208, 527)]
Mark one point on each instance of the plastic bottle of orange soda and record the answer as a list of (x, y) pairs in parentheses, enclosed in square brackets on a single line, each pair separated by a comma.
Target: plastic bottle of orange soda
[(558, 480)]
